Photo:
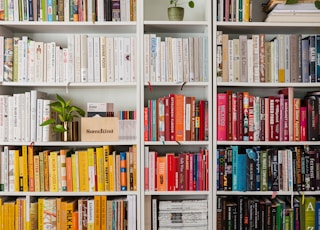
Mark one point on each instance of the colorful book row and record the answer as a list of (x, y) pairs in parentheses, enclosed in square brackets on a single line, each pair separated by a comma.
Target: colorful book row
[(66, 170), (176, 172), (256, 168), (86, 58), (256, 58), (176, 117)]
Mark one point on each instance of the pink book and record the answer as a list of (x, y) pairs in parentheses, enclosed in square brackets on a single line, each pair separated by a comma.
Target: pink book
[(303, 123), (222, 116), (286, 120), (235, 122), (281, 113)]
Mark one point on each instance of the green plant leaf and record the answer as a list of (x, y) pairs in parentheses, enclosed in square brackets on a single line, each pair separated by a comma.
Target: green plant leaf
[(317, 4), (59, 128), (48, 122), (291, 1), (191, 4), (62, 118)]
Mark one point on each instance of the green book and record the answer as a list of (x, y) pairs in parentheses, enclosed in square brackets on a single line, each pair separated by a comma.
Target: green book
[(307, 212)]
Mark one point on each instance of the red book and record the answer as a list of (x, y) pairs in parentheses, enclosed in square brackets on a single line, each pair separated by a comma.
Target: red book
[(171, 169), (245, 116), (276, 118), (150, 120), (221, 116), (303, 123), (181, 169), (161, 119), (176, 177), (167, 117), (281, 119), (172, 117), (271, 118), (286, 120), (251, 118), (186, 171), (193, 118), (191, 168), (145, 124), (235, 123), (229, 115), (206, 154), (267, 118), (202, 120), (262, 119), (240, 115), (69, 172)]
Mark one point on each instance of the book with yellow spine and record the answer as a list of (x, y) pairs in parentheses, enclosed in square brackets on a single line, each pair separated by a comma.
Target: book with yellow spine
[(40, 213), (70, 209), (36, 164), (75, 172), (59, 213), (91, 170), (83, 171), (107, 151), (100, 169), (134, 151), (1, 212), (25, 168), (112, 164), (16, 170), (31, 168), (97, 212), (53, 171), (103, 214), (34, 215)]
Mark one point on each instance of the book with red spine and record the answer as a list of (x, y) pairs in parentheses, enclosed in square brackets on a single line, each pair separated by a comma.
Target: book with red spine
[(202, 120), (267, 118), (245, 116), (240, 115), (193, 118), (145, 124), (181, 169), (262, 118), (229, 115), (179, 111), (296, 119), (221, 116), (176, 175), (303, 123), (171, 169), (251, 118), (281, 119), (172, 118), (235, 122), (286, 120), (167, 117), (276, 118), (186, 170), (271, 118), (161, 119), (190, 176)]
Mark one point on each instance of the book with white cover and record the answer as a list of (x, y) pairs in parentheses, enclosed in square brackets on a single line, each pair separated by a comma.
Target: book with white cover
[(90, 59), (96, 57), (146, 55), (51, 62), (110, 59), (11, 117), (39, 119), (31, 61), (103, 59), (133, 58), (293, 17), (27, 117), (296, 8), (77, 58), (126, 57), (34, 96), (1, 57), (38, 62), (84, 58), (71, 58)]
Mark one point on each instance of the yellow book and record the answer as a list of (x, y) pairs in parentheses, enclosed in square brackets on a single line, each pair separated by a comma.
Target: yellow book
[(31, 168), (34, 215), (40, 213), (100, 169), (97, 212), (11, 210), (36, 165), (112, 164), (107, 151), (103, 215), (41, 169), (46, 170), (25, 168), (75, 173), (53, 172), (63, 215), (70, 208), (83, 171), (16, 170), (5, 215), (59, 214), (1, 212), (134, 151), (16, 214), (91, 170), (20, 174)]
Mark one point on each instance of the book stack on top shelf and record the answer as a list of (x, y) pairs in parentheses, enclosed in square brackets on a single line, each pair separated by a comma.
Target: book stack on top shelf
[(303, 11)]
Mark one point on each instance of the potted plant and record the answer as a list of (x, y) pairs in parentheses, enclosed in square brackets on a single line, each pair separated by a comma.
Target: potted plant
[(176, 12), (316, 2), (64, 122)]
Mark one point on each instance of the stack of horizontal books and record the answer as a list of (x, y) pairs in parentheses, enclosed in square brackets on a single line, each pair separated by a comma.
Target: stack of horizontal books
[(303, 11)]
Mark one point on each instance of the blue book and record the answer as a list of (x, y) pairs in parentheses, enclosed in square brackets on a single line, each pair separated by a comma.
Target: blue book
[(239, 169), (317, 209)]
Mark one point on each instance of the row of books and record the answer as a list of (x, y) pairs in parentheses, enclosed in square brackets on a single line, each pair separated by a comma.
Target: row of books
[(245, 212), (186, 171), (242, 116), (86, 58), (176, 118), (234, 11), (69, 10), (179, 214), (182, 59), (66, 170), (268, 169), (268, 58)]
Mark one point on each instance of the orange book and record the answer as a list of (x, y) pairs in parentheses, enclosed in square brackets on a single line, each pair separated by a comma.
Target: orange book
[(103, 215), (31, 168), (97, 212), (123, 171), (179, 115), (59, 216), (69, 172), (83, 171), (70, 209), (162, 173), (75, 219)]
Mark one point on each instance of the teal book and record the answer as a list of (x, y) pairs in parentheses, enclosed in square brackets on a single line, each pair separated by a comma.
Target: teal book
[(239, 169)]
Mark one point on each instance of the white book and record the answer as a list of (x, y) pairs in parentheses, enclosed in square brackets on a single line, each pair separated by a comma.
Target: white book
[(90, 204), (169, 77), (39, 119), (191, 59), (27, 116), (110, 59), (200, 59), (123, 16), (1, 57), (179, 60), (154, 214), (276, 60), (11, 169), (174, 60), (5, 114), (10, 11), (24, 58), (18, 106), (89, 10), (66, 10), (153, 54), (205, 59), (77, 58), (151, 171), (84, 58), (126, 57), (34, 96), (163, 63), (90, 59), (100, 8), (51, 62), (146, 49), (230, 56), (121, 59), (287, 55), (196, 59), (236, 60), (96, 57), (20, 62), (5, 168), (255, 53), (16, 10), (31, 61), (2, 115), (250, 60), (11, 117), (116, 58), (272, 64), (64, 69), (133, 58), (58, 64), (158, 59), (71, 69), (44, 61), (38, 69), (46, 115), (103, 59), (185, 57)]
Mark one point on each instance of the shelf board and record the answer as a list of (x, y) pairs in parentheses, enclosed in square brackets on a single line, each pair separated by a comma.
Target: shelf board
[(176, 143), (268, 143), (254, 193), (70, 27), (70, 143), (267, 84), (70, 84), (176, 193), (178, 84), (61, 194), (176, 26), (267, 27)]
